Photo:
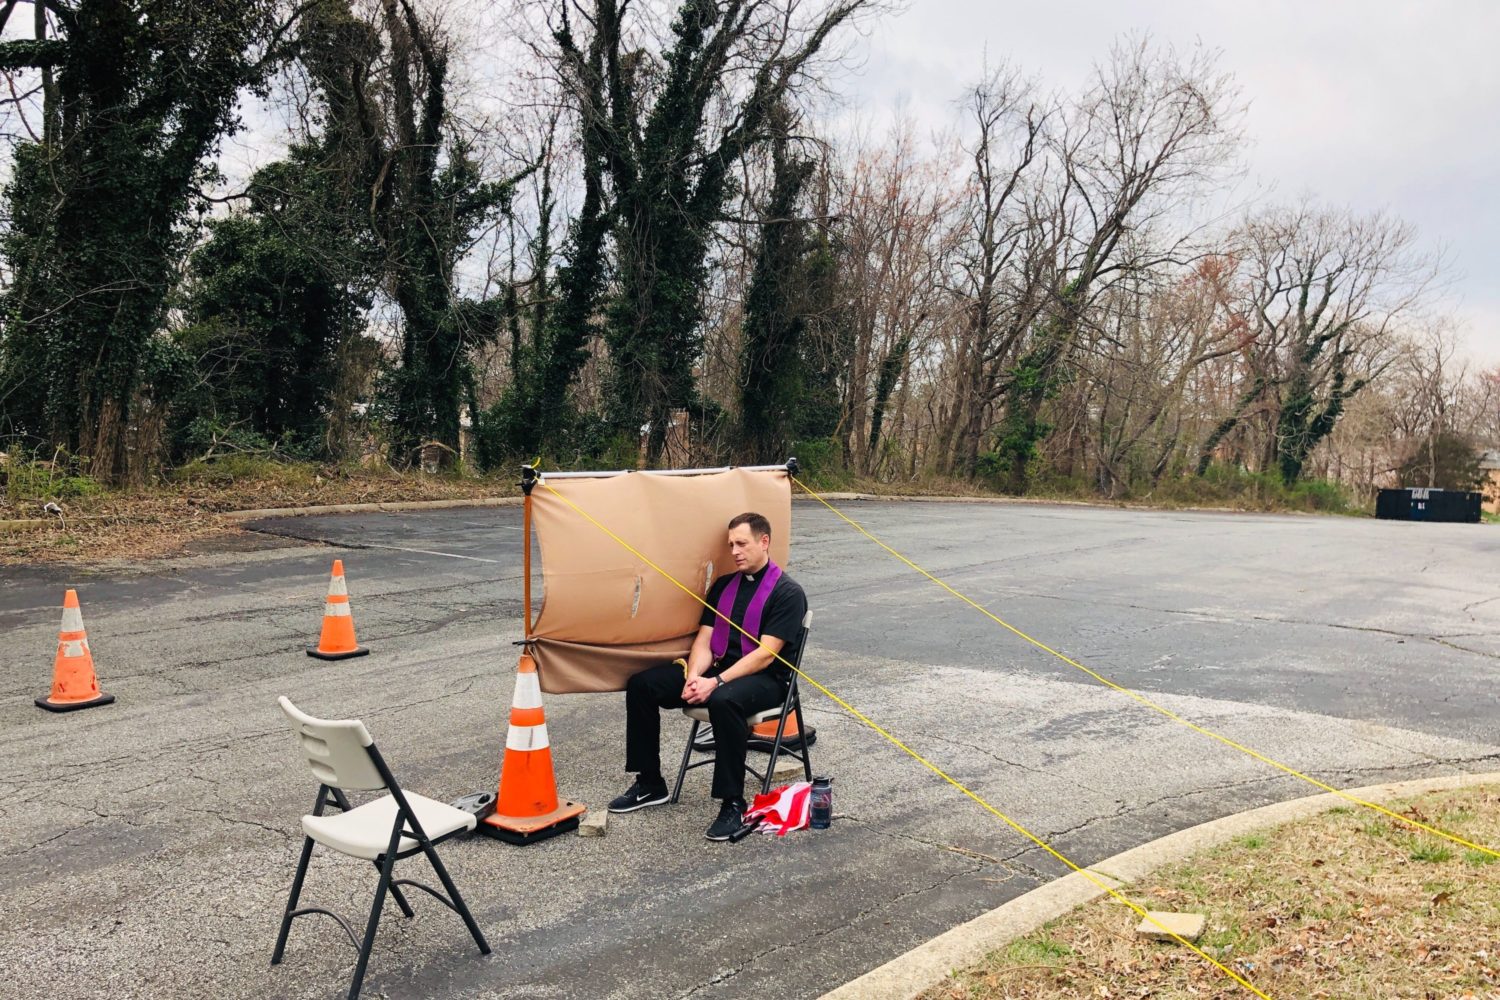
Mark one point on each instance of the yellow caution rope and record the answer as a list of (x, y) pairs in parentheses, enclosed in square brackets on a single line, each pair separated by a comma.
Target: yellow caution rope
[(1284, 768), (1013, 824)]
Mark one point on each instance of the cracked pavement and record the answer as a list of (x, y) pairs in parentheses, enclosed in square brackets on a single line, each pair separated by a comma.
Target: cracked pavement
[(149, 844)]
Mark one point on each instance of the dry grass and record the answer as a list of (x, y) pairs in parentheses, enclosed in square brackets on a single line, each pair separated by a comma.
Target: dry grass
[(1347, 906), (184, 512)]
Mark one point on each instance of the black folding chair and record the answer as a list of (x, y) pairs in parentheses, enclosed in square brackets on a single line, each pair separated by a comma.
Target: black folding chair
[(395, 826), (791, 705)]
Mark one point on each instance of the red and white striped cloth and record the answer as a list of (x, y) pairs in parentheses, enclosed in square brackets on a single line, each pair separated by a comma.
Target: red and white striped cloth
[(782, 810)]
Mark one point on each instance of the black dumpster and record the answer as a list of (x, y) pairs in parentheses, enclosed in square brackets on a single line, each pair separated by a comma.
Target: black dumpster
[(1418, 504)]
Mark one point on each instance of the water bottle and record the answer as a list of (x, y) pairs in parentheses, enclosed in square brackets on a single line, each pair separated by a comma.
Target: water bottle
[(820, 811)]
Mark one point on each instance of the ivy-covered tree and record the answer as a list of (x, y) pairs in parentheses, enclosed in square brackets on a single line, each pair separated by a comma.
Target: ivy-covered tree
[(670, 132), (277, 291), (1325, 289), (423, 194), (1446, 460), (1035, 378), (773, 380), (136, 95), (535, 414)]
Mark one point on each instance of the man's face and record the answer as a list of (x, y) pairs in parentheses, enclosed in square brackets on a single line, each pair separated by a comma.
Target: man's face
[(750, 553)]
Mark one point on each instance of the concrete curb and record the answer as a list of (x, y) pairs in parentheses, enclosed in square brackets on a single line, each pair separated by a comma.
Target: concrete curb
[(1055, 502), (360, 508), (919, 498), (33, 524), (24, 524), (927, 965)]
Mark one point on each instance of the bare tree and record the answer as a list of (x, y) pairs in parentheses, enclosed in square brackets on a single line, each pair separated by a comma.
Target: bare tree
[(894, 232), (1005, 265), (1324, 290), (1150, 134), (1137, 372)]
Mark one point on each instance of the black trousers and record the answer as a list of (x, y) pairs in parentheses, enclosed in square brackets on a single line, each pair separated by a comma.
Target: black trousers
[(729, 709)]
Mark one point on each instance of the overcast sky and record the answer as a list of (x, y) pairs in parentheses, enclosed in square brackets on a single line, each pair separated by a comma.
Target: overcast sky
[(1373, 105), (1384, 104)]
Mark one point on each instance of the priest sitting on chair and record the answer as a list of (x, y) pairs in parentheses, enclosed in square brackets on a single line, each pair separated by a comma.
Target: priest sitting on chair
[(726, 672)]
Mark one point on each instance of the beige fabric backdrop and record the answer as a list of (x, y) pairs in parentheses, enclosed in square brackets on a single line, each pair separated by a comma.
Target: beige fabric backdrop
[(606, 614)]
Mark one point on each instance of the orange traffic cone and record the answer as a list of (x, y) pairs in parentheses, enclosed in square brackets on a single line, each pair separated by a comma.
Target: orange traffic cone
[(763, 736), (74, 685), (528, 809), (337, 641)]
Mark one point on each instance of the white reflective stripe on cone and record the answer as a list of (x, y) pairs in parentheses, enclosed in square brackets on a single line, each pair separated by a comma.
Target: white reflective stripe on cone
[(527, 738), (72, 620), (528, 691), (73, 647), (336, 609), (337, 587)]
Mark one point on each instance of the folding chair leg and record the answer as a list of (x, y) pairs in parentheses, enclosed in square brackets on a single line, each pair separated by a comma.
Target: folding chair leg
[(397, 896), (375, 908), (806, 753), (291, 902), (455, 898), (687, 754), (776, 751), (792, 705)]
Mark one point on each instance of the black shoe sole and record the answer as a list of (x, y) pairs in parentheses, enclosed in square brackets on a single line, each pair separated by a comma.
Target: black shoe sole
[(718, 838), (665, 798)]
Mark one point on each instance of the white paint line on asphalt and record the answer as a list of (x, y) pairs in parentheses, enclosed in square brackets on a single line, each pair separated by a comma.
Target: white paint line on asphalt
[(425, 552)]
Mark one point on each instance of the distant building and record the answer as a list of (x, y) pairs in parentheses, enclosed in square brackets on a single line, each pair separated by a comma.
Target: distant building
[(1489, 464)]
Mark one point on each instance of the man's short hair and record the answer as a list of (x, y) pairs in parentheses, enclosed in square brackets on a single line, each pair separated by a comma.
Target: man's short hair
[(757, 523)]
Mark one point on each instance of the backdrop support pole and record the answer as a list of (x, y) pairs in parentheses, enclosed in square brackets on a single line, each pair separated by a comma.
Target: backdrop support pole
[(528, 480)]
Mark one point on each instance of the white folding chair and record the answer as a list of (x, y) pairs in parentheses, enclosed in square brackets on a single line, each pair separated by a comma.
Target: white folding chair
[(397, 825)]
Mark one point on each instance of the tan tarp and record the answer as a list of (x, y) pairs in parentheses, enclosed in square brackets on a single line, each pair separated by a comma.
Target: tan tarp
[(606, 614)]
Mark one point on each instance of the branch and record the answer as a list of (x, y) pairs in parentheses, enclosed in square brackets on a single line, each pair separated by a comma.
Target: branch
[(199, 194), (274, 51), (435, 64), (23, 53), (772, 81), (64, 15)]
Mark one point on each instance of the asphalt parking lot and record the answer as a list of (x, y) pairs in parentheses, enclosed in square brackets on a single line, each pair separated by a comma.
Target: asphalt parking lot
[(149, 844)]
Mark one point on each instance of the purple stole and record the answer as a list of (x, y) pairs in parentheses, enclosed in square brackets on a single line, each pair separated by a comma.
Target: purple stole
[(719, 642)]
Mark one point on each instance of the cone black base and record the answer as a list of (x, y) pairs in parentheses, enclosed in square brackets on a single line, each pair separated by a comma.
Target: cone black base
[(522, 839), (73, 706), (787, 742), (314, 651)]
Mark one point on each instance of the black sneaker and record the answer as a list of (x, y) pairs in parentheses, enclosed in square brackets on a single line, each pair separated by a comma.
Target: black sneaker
[(731, 817), (639, 796)]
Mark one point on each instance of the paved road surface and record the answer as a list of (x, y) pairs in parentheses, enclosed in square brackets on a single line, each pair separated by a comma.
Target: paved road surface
[(148, 845)]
